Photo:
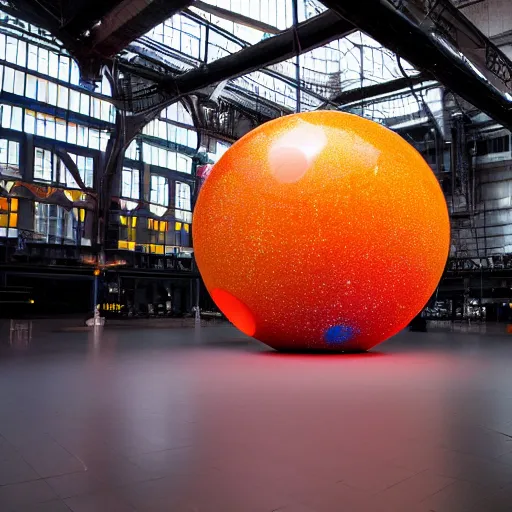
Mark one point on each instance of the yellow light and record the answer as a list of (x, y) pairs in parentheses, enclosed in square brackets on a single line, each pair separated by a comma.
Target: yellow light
[(32, 301), (97, 272)]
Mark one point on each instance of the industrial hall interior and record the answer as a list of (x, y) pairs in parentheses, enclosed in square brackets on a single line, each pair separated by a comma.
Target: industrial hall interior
[(255, 255)]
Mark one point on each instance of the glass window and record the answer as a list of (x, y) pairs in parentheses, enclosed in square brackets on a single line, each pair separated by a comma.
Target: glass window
[(82, 136), (162, 157), (21, 58), (64, 68), (31, 90), (171, 160), (30, 121), (104, 138), (183, 164), (2, 46), (19, 83), (54, 65), (183, 202), (50, 127), (32, 57), (162, 129), (132, 151), (127, 231), (154, 155), (8, 79), (159, 190), (53, 223), (40, 124), (42, 61), (43, 164), (62, 97), (74, 100), (11, 49), (95, 108), (148, 129), (52, 93), (9, 154), (17, 119), (6, 116), (80, 133), (106, 114), (72, 133), (84, 104), (181, 136), (105, 88), (85, 166), (178, 113), (88, 173), (60, 130), (130, 183), (42, 90), (75, 73), (192, 139), (13, 153), (8, 217), (94, 138)]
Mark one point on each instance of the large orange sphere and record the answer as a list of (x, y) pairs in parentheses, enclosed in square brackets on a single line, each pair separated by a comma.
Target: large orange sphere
[(321, 230)]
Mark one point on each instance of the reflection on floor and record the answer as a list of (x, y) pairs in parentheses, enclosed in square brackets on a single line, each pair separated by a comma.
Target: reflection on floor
[(206, 420)]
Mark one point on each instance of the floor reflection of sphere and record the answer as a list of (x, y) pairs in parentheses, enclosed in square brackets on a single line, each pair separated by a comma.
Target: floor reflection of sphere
[(321, 230)]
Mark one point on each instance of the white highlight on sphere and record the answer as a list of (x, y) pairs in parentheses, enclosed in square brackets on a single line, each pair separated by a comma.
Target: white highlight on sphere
[(292, 154)]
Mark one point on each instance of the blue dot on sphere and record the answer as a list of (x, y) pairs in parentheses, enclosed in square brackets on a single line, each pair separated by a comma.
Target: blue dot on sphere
[(338, 334)]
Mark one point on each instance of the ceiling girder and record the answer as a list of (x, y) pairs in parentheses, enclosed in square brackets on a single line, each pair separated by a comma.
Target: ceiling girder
[(100, 34), (235, 17), (443, 18), (85, 18), (382, 21), (129, 20), (311, 34), (370, 91)]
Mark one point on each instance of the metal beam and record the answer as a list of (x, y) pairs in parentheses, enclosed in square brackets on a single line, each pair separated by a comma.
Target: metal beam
[(311, 34), (392, 29), (370, 91), (503, 39), (236, 18), (442, 17), (129, 20), (84, 19)]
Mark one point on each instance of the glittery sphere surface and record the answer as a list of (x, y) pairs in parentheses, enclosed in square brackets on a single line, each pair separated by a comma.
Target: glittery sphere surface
[(321, 230)]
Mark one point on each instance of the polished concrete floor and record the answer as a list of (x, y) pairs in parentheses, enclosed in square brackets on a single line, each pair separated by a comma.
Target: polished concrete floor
[(205, 420)]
